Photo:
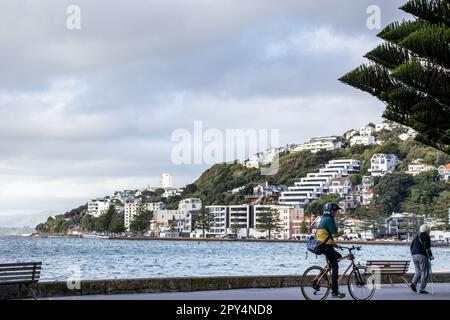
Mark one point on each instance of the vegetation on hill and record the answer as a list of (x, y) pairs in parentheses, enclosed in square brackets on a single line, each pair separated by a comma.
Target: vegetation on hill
[(396, 192)]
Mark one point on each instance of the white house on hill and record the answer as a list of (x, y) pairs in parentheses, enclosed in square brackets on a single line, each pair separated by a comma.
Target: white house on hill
[(382, 163)]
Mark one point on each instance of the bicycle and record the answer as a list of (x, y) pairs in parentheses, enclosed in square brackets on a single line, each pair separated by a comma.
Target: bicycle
[(316, 283)]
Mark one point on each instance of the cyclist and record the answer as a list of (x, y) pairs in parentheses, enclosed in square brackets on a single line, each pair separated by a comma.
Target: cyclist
[(325, 232)]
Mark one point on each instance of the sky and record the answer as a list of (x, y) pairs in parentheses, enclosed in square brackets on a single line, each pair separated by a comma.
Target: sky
[(88, 111)]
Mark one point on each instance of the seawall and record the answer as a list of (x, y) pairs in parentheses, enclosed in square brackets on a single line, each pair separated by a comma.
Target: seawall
[(181, 284)]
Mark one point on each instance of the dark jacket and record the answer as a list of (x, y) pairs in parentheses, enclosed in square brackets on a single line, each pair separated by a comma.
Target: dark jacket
[(421, 244)]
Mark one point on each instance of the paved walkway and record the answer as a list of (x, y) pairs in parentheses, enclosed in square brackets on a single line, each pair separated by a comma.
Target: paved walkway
[(386, 292)]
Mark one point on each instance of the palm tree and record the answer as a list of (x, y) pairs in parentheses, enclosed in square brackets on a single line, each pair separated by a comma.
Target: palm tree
[(410, 72)]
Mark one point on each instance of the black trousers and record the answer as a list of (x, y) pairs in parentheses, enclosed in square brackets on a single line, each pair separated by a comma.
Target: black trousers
[(332, 258)]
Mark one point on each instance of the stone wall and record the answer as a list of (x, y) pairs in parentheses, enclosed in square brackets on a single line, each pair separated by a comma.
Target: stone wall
[(154, 285)]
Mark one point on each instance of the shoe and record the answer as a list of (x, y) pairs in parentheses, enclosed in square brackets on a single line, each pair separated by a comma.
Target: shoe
[(413, 287), (338, 295), (423, 292)]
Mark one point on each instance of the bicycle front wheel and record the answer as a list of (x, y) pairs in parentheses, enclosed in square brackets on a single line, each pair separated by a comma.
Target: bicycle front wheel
[(361, 284), (315, 284)]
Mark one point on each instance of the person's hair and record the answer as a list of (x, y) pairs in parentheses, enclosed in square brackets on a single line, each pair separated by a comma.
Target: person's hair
[(425, 228)]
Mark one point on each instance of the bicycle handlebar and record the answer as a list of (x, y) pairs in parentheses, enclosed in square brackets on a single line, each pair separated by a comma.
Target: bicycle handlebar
[(351, 249)]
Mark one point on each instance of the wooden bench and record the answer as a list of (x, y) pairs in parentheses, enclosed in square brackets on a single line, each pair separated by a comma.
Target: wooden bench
[(21, 274), (389, 268)]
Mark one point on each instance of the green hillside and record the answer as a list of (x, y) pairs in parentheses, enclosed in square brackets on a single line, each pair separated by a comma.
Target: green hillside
[(215, 184)]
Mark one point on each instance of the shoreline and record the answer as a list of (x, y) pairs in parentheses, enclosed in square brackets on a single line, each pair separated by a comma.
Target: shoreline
[(343, 242)]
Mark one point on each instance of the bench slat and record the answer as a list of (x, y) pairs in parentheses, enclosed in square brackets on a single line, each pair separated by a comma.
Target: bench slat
[(20, 264), (387, 262), (20, 269), (16, 278), (17, 282), (9, 274)]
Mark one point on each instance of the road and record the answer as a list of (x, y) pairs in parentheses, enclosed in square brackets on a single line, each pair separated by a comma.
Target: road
[(386, 292)]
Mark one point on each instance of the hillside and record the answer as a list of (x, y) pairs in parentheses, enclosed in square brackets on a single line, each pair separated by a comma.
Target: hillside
[(215, 184)]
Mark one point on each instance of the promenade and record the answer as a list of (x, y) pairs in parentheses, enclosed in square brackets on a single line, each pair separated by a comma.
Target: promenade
[(386, 292)]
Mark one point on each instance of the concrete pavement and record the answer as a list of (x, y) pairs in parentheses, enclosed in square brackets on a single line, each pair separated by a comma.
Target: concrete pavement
[(386, 292)]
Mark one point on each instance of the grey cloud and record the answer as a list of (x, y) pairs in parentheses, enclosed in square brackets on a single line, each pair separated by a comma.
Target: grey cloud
[(92, 111)]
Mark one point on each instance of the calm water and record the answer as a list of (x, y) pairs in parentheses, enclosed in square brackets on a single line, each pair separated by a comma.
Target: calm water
[(108, 259)]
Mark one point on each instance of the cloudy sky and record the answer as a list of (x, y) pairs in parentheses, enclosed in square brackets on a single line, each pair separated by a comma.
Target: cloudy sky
[(89, 111)]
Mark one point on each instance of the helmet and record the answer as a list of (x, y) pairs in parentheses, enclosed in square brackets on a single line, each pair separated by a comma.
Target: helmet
[(330, 207)]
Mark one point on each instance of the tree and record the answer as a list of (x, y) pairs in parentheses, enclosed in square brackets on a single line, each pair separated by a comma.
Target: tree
[(204, 220), (104, 220), (315, 208), (355, 179), (441, 209), (304, 227), (87, 222), (141, 221), (117, 224), (372, 218), (390, 191), (268, 220), (235, 227), (410, 72)]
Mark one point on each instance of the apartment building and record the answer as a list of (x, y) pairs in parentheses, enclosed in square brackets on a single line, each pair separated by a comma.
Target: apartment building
[(314, 185), (321, 143), (97, 206), (366, 131), (131, 209), (166, 181), (363, 140), (190, 204)]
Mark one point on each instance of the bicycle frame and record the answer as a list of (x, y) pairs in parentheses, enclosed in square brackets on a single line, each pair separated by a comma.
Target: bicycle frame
[(327, 268)]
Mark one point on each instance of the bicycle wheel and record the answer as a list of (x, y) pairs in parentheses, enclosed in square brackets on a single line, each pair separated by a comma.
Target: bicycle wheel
[(315, 284), (361, 284)]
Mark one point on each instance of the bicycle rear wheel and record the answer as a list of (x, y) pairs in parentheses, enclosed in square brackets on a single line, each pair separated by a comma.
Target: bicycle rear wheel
[(315, 284), (361, 284)]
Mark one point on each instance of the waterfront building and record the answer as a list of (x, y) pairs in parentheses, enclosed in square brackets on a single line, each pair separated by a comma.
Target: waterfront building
[(166, 181), (97, 206), (239, 218), (382, 163), (131, 209), (321, 143), (364, 140), (221, 222)]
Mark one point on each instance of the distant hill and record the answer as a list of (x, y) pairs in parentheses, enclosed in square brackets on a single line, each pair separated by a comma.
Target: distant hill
[(15, 231)]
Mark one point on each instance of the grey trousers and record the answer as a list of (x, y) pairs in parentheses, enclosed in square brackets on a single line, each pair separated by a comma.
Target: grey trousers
[(422, 270)]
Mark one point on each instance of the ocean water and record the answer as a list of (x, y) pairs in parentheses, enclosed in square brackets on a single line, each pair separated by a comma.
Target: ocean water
[(65, 258)]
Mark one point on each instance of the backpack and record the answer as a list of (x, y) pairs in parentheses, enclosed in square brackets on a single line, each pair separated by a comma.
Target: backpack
[(315, 246)]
